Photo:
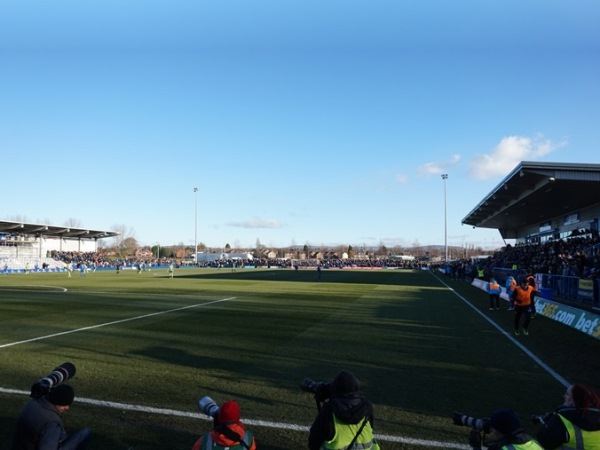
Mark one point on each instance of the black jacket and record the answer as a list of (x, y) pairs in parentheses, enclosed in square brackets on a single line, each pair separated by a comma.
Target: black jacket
[(40, 426), (350, 408), (347, 405), (554, 433)]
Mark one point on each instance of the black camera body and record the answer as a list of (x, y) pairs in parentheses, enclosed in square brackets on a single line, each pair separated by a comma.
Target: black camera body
[(479, 428), (471, 422), (541, 419), (320, 389), (59, 375)]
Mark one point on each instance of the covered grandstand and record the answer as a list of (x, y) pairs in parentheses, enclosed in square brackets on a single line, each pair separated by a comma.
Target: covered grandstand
[(539, 201), (24, 243), (549, 205)]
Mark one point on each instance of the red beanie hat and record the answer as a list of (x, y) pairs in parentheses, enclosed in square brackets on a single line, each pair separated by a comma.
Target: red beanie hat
[(229, 412)]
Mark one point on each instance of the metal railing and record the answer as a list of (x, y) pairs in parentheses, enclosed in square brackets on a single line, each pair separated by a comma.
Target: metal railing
[(562, 287)]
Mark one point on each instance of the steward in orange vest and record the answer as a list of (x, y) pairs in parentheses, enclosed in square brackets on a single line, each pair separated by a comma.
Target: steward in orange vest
[(522, 296), (494, 290)]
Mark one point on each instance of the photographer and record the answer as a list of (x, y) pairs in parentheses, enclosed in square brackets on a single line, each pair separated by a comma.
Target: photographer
[(506, 432), (40, 425), (576, 424), (228, 432), (346, 418)]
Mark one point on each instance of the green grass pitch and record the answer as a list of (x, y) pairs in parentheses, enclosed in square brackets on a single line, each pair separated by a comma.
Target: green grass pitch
[(146, 347)]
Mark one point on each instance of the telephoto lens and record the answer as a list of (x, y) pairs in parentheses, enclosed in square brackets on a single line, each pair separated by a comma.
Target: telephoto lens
[(59, 375), (208, 406), (472, 422)]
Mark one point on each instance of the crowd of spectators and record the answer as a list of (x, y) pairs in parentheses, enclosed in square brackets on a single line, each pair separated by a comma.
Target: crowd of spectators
[(575, 257), (578, 256), (96, 260)]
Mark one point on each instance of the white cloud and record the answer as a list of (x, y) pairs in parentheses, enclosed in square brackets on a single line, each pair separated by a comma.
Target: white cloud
[(401, 178), (436, 168), (509, 152), (257, 223)]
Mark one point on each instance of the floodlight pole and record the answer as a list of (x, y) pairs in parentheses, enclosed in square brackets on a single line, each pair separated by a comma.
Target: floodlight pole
[(196, 227), (445, 177)]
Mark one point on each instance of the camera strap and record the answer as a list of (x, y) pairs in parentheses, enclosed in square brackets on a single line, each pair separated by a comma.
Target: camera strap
[(364, 422), (230, 434)]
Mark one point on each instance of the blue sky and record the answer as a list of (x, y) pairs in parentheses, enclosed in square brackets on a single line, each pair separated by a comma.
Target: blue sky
[(313, 122)]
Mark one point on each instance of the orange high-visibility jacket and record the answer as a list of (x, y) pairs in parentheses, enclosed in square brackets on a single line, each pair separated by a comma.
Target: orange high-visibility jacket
[(523, 296)]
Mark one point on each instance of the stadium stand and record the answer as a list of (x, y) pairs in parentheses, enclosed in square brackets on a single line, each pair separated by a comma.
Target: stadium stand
[(552, 211)]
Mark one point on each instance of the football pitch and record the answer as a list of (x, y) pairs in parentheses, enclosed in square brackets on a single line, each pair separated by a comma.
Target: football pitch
[(146, 347)]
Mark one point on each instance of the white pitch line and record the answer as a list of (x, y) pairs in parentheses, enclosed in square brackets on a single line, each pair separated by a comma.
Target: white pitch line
[(114, 322), (249, 422), (36, 288)]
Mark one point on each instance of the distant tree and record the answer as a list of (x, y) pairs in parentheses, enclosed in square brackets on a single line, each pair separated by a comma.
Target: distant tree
[(258, 248), (350, 252), (382, 251), (227, 248), (180, 251), (129, 246), (19, 218), (72, 223), (427, 250), (121, 242)]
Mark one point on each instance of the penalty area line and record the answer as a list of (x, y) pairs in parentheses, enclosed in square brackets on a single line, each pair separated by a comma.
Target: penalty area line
[(249, 422), (129, 319), (32, 288)]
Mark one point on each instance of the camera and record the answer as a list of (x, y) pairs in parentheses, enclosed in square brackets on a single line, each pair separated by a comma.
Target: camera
[(208, 406), (59, 375), (321, 389), (540, 419), (479, 428), (472, 422)]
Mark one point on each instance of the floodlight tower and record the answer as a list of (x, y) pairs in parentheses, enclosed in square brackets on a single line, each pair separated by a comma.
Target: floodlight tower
[(196, 226), (445, 177)]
